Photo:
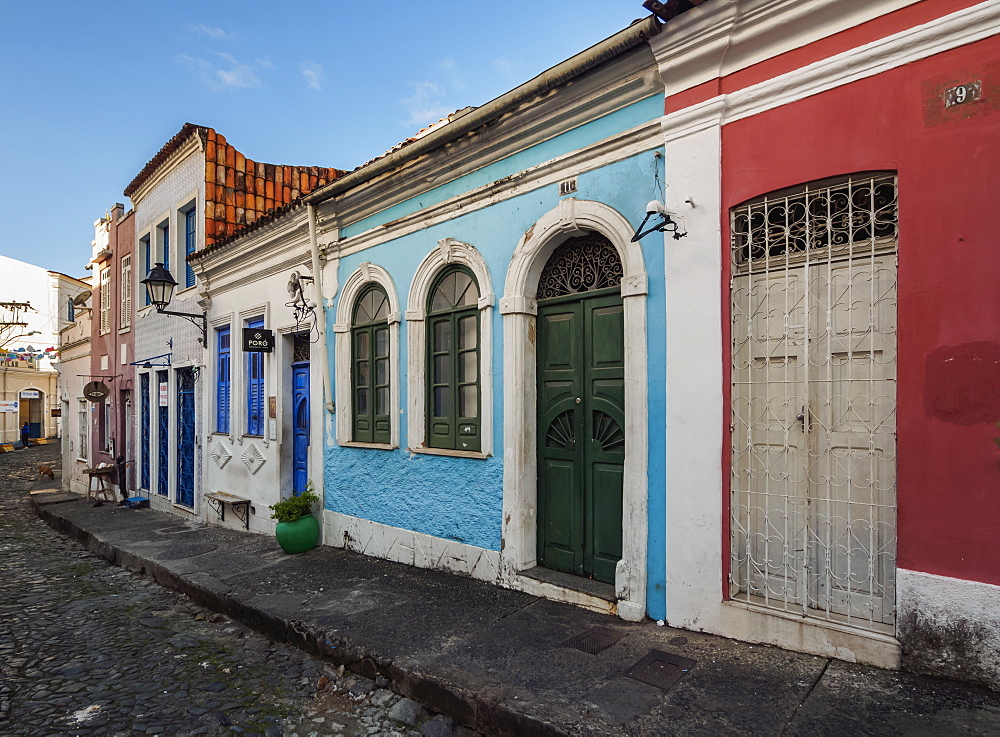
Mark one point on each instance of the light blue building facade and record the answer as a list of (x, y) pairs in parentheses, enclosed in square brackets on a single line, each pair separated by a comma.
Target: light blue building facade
[(477, 279)]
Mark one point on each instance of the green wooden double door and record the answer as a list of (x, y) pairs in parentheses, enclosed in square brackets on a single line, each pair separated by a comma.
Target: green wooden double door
[(581, 433)]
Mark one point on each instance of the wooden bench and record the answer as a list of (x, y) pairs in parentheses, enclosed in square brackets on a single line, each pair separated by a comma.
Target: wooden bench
[(218, 500)]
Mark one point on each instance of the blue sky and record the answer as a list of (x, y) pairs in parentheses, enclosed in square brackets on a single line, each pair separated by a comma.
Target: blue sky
[(90, 91)]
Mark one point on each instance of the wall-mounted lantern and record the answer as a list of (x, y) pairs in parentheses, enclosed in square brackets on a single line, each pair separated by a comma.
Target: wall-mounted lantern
[(160, 290)]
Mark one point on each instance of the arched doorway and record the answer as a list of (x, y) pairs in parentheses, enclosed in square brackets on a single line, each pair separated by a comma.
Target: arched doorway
[(581, 408), (520, 309)]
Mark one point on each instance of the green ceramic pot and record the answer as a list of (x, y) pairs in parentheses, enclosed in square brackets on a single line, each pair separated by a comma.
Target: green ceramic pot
[(298, 536)]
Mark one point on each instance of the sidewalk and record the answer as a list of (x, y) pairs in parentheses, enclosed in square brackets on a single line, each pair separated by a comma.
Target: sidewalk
[(497, 660)]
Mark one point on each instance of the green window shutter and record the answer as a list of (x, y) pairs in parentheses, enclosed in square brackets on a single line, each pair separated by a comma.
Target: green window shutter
[(370, 367), (453, 357)]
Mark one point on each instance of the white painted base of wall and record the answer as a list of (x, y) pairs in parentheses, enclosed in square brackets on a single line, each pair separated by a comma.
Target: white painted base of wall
[(754, 624), (949, 627), (409, 547)]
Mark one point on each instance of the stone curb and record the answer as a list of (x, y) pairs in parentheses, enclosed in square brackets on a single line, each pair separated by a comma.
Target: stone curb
[(482, 714)]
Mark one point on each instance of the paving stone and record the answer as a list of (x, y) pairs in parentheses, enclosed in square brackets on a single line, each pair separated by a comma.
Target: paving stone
[(138, 659)]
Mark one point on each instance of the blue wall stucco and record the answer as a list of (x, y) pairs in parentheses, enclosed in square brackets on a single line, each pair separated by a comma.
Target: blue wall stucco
[(462, 498)]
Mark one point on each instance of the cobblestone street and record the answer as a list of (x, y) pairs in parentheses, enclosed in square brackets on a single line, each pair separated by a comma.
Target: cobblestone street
[(87, 648)]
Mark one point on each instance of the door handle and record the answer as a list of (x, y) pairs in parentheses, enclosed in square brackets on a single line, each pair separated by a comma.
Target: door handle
[(801, 419), (578, 400)]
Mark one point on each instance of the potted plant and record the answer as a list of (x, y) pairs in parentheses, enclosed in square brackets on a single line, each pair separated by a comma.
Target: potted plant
[(297, 530)]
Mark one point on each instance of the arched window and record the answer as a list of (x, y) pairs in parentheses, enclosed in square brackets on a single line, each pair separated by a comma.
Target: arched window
[(370, 366), (70, 310), (453, 346)]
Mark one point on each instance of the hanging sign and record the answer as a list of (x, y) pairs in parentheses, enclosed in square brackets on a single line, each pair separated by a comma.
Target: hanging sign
[(258, 340), (57, 411), (96, 391), (30, 394), (164, 394), (8, 406)]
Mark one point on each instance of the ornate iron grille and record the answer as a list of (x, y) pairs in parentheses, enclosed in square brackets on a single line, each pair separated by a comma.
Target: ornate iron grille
[(813, 473), (581, 264), (300, 347), (835, 215)]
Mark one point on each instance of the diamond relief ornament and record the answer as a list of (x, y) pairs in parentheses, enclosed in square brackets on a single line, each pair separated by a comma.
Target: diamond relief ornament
[(252, 458), (221, 455)]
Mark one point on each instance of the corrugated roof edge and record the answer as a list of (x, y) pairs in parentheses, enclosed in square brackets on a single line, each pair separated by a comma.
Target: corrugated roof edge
[(613, 46), (168, 148)]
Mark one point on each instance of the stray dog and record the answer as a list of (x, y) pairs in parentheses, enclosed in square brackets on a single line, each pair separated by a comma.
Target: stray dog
[(44, 470)]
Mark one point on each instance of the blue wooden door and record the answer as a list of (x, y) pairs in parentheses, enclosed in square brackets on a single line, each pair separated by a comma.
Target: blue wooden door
[(144, 432), (300, 427), (185, 437), (163, 438)]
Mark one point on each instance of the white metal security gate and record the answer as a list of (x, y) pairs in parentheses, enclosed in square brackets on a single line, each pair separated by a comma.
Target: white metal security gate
[(813, 487)]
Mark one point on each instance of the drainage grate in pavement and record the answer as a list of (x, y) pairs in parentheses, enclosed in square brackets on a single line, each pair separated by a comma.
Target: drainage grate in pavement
[(595, 640), (660, 669), (176, 552)]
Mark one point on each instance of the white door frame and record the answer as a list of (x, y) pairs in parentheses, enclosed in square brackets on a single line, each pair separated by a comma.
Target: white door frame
[(572, 218)]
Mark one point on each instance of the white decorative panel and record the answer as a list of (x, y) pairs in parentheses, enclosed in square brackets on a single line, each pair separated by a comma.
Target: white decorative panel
[(252, 458), (220, 454)]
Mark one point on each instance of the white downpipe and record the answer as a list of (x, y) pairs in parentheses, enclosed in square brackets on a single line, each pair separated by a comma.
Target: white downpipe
[(321, 318)]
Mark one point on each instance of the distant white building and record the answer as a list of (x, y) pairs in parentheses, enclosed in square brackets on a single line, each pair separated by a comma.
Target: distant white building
[(29, 350)]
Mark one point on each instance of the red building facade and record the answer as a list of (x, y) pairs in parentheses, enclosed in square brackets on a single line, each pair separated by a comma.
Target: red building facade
[(112, 340), (836, 165)]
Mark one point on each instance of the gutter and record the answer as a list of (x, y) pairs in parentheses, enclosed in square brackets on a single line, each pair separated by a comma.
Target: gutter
[(320, 324), (635, 35)]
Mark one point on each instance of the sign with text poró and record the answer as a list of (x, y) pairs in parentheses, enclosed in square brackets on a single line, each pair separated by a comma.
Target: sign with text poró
[(258, 340)]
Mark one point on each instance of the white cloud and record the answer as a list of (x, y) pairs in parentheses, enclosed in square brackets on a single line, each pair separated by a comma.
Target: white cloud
[(312, 73), (210, 31), (426, 105), (228, 74), (432, 99)]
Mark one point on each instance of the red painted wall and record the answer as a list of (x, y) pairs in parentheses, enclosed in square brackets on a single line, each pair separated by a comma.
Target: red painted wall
[(949, 277)]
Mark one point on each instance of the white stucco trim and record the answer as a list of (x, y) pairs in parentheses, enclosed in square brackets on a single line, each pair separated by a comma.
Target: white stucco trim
[(365, 274), (448, 251), (409, 547), (518, 307), (725, 36), (943, 34)]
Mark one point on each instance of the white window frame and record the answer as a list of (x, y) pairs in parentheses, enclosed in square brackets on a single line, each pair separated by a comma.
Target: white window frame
[(125, 319), (83, 437), (365, 275), (105, 300), (448, 252)]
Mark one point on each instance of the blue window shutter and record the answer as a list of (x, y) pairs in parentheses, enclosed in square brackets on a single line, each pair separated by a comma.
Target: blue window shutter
[(166, 247), (222, 388), (189, 236), (147, 255), (255, 387)]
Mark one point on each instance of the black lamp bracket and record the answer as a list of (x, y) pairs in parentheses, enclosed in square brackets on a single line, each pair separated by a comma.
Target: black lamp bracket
[(192, 317)]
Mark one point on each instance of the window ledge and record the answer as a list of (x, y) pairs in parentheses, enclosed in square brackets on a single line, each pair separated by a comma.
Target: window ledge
[(374, 446), (185, 289), (248, 435), (183, 508), (475, 454), (124, 330), (82, 460)]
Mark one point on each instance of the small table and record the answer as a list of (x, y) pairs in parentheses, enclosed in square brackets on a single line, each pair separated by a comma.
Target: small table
[(104, 486)]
